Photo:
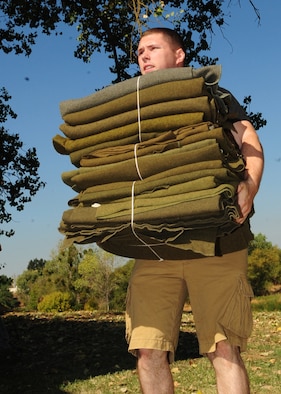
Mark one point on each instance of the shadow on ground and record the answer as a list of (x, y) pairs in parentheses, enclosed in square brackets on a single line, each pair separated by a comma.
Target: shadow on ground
[(47, 351)]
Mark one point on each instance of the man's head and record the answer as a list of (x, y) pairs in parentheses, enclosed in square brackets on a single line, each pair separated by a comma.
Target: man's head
[(160, 48)]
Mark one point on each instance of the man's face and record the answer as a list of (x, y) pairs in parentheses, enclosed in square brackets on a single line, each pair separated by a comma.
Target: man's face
[(156, 52)]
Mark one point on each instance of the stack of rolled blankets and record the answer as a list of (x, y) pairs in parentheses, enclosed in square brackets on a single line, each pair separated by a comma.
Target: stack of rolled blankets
[(155, 173)]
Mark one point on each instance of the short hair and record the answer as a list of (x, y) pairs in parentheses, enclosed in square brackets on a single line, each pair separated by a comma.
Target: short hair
[(172, 35)]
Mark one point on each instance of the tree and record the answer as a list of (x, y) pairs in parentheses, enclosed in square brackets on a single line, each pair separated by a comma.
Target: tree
[(87, 279), (28, 290), (45, 277), (112, 26), (264, 265), (36, 264), (60, 272), (264, 269), (96, 279), (259, 242), (122, 275), (18, 169), (7, 300), (256, 118)]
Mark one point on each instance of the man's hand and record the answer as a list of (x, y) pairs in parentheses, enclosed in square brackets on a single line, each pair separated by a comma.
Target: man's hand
[(246, 193)]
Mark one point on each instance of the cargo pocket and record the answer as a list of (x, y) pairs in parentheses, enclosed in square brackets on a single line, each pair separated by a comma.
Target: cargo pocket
[(237, 318)]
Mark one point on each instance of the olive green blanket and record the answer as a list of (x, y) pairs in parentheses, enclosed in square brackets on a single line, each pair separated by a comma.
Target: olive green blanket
[(210, 74)]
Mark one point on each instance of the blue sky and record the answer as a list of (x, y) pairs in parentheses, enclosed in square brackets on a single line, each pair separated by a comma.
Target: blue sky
[(249, 55)]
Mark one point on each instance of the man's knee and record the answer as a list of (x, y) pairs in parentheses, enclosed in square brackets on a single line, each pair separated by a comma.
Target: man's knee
[(149, 356), (226, 351)]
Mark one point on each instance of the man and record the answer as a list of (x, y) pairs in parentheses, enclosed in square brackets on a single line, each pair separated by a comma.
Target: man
[(217, 286)]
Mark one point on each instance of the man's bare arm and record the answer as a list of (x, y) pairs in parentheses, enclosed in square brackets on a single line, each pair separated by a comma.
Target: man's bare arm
[(251, 149)]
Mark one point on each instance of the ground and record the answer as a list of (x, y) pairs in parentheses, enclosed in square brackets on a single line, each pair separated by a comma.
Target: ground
[(49, 350)]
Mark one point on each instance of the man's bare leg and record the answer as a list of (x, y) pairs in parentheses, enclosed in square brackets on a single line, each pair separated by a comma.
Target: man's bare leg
[(231, 374), (154, 372)]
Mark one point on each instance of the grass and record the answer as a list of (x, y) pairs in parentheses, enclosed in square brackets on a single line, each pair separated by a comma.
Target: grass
[(83, 352), (267, 303), (195, 375)]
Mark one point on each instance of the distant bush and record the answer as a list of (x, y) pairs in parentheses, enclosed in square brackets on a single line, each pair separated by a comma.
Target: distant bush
[(264, 269), (91, 304), (55, 302)]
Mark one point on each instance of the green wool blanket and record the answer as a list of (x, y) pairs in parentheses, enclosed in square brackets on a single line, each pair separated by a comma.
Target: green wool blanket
[(211, 75)]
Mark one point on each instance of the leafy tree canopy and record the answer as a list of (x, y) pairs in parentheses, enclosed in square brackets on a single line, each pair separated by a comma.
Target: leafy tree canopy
[(7, 300), (18, 168), (36, 264), (264, 269), (112, 26), (259, 242), (92, 280)]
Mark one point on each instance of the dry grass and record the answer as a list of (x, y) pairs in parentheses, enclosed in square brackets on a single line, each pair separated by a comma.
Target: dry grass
[(86, 353)]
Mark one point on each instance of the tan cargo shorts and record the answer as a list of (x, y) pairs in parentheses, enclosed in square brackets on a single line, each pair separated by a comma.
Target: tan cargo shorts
[(220, 298)]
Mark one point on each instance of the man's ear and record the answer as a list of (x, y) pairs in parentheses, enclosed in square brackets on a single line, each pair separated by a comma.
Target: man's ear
[(180, 57)]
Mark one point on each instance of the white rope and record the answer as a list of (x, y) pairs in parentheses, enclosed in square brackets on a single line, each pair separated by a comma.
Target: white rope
[(138, 107), (139, 174), (132, 224), (136, 162), (139, 124)]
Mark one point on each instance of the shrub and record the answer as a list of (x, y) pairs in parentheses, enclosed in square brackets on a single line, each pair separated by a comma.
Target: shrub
[(55, 302), (264, 269), (91, 304), (268, 303)]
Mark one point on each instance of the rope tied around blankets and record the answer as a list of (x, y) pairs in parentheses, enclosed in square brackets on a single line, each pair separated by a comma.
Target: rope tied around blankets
[(140, 176), (156, 174)]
